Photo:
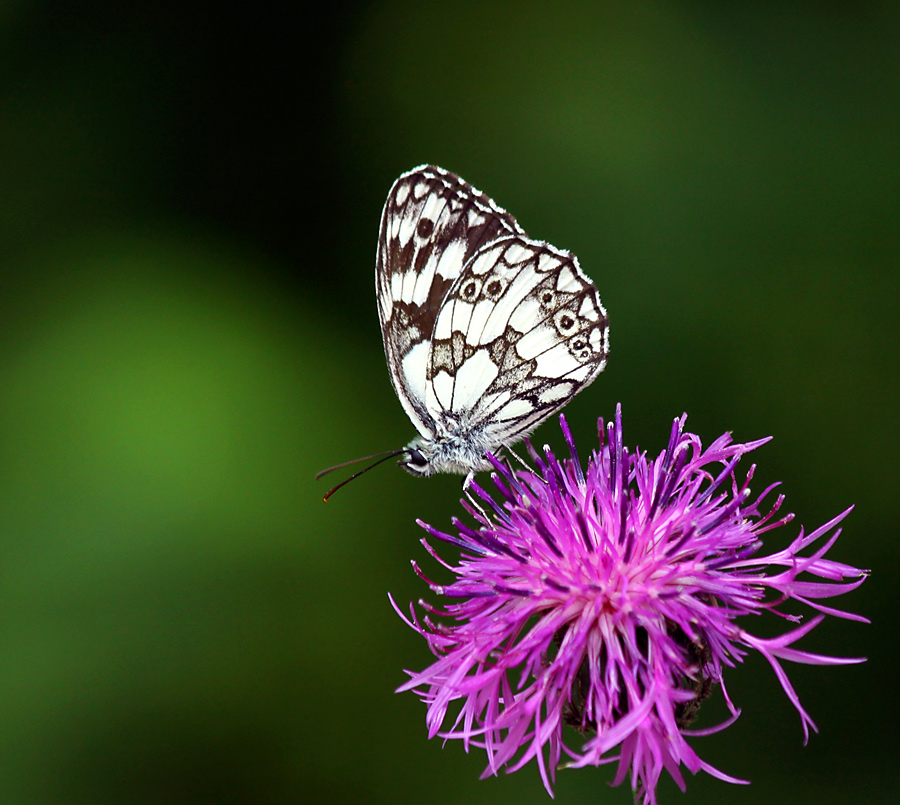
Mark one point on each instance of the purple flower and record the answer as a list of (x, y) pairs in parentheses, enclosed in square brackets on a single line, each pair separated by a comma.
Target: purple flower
[(608, 599)]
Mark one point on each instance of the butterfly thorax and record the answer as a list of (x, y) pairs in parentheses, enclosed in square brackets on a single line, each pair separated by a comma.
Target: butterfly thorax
[(456, 449)]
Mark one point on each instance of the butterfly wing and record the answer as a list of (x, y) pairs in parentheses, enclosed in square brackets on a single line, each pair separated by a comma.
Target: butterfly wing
[(521, 330), (432, 224)]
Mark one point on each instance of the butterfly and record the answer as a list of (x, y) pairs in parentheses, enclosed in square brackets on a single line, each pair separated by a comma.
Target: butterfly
[(486, 331)]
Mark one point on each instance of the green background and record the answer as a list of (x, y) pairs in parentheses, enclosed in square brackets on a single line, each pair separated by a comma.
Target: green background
[(190, 201)]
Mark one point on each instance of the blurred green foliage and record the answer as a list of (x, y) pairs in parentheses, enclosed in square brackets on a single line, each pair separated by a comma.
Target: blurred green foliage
[(191, 195)]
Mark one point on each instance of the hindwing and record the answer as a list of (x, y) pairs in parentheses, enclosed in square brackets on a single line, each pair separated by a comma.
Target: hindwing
[(520, 332)]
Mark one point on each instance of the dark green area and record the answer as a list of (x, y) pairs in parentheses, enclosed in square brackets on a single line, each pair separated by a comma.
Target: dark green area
[(191, 196)]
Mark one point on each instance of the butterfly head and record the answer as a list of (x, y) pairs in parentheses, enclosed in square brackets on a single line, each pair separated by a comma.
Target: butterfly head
[(417, 458), (424, 457)]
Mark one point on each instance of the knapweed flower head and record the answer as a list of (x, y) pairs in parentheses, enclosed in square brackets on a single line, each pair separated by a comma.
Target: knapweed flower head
[(608, 599)]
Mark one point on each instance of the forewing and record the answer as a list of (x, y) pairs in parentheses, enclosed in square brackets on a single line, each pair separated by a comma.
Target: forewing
[(521, 331), (433, 222)]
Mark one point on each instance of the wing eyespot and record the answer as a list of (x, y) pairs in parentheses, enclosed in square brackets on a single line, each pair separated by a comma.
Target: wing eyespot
[(565, 322), (470, 290), (580, 349), (494, 288), (424, 228)]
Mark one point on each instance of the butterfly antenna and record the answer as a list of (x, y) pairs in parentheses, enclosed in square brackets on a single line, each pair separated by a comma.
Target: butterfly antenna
[(467, 483), (382, 457), (323, 473)]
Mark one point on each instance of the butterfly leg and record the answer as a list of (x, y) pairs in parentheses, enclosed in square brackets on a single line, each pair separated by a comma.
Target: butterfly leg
[(467, 483)]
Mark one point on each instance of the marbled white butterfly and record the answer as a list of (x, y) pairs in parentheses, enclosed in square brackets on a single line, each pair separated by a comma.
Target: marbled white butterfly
[(486, 331)]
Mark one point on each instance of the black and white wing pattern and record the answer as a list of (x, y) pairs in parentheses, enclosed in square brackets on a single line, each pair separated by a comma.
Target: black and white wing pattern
[(486, 332)]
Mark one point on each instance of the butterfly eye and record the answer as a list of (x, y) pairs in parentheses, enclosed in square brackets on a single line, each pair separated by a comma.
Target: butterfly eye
[(416, 457)]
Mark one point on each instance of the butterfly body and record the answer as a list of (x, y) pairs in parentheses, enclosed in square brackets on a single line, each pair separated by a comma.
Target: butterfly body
[(486, 331)]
